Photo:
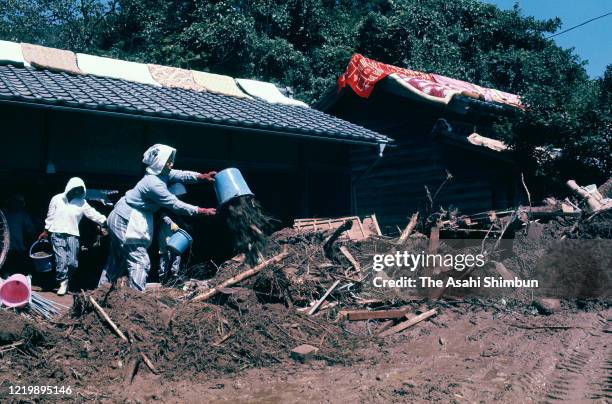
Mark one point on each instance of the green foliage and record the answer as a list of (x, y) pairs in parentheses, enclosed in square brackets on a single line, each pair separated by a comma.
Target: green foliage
[(306, 44)]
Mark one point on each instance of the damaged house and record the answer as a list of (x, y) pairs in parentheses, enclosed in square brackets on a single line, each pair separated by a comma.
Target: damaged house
[(65, 114), (440, 125)]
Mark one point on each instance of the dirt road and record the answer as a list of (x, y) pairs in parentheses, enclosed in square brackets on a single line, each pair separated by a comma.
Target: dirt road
[(460, 356)]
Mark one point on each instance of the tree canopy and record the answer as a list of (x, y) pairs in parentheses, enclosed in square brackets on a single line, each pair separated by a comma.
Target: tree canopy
[(306, 44)]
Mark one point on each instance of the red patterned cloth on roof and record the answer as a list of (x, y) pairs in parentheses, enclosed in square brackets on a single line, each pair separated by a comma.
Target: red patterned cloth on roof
[(362, 74)]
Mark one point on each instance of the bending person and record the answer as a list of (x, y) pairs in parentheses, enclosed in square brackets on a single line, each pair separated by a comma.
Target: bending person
[(131, 221), (169, 262), (65, 213)]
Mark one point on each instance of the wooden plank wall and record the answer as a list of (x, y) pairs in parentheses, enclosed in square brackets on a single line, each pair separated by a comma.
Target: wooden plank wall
[(394, 189)]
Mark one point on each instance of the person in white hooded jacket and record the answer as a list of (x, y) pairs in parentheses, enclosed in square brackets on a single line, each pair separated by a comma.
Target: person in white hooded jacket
[(65, 213)]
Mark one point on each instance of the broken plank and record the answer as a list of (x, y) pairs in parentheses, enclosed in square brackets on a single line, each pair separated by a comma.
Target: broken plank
[(357, 315), (409, 323), (322, 299), (409, 228)]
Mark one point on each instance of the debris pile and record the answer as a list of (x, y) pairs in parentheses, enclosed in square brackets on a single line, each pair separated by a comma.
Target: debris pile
[(300, 293)]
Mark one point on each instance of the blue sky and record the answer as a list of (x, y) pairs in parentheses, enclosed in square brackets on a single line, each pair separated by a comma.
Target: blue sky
[(592, 42)]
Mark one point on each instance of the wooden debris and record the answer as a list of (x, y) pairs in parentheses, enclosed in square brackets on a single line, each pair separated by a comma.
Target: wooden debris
[(240, 277), (408, 323), (409, 228), (371, 223), (223, 339), (592, 199), (328, 244), (357, 232), (303, 352), (148, 362), (9, 347), (357, 315), (350, 257), (322, 299), (106, 317)]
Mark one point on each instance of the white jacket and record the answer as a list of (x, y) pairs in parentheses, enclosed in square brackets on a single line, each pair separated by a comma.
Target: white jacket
[(64, 216)]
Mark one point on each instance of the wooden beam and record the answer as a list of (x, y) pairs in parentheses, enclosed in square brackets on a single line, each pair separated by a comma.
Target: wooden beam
[(240, 277), (358, 315), (409, 228), (409, 323)]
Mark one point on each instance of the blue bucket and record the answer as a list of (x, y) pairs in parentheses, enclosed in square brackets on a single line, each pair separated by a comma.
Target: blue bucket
[(43, 257), (229, 184), (179, 242)]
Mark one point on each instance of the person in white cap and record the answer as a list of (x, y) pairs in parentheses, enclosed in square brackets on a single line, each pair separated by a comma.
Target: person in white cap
[(65, 213), (131, 221)]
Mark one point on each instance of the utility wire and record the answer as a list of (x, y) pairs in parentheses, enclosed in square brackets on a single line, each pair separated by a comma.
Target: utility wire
[(579, 25)]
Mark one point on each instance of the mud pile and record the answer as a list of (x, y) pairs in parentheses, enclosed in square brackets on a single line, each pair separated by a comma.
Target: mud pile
[(249, 225)]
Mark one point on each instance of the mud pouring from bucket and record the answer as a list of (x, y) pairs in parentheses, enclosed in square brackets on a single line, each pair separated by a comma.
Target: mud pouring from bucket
[(242, 214)]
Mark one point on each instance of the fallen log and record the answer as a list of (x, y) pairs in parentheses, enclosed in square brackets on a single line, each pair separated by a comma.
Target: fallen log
[(240, 277), (106, 317), (409, 323), (409, 228), (322, 299), (6, 348)]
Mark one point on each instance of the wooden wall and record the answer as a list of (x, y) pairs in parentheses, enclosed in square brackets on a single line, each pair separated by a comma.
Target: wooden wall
[(395, 187), (291, 177)]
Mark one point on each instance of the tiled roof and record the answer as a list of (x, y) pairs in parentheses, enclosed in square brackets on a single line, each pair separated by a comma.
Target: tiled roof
[(88, 92)]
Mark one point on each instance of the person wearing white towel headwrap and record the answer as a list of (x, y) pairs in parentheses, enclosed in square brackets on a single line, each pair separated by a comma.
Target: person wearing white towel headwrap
[(131, 221)]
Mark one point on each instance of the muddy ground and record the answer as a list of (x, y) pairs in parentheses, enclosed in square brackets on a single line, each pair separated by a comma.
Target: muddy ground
[(471, 352), (236, 346)]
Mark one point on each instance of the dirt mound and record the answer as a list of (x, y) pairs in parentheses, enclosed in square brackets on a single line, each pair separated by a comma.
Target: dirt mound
[(17, 329)]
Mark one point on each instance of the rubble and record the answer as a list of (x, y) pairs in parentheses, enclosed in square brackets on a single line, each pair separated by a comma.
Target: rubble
[(312, 289)]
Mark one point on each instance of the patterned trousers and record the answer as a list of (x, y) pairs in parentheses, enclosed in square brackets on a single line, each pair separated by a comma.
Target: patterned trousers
[(123, 258), (66, 251), (168, 261)]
